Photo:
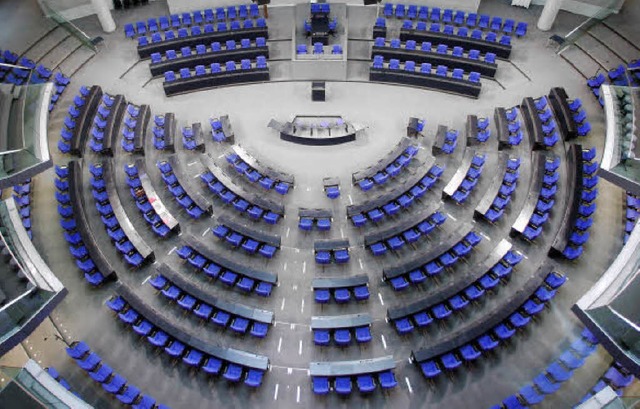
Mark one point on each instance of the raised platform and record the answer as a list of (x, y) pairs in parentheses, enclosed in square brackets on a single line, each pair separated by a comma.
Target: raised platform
[(316, 130)]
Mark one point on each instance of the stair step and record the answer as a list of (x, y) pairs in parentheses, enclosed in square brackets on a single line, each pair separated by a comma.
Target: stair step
[(47, 44), (60, 52), (76, 60), (600, 53), (581, 61), (617, 44)]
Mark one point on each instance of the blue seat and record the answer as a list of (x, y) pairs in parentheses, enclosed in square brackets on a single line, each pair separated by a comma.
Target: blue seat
[(254, 376), (240, 325), (570, 361), (89, 362), (487, 343), (212, 366), (530, 395), (361, 293), (545, 385), (79, 349), (115, 384), (558, 373), (342, 385), (469, 352), (233, 372), (450, 361), (365, 383), (387, 380), (363, 334), (342, 337), (430, 369), (321, 295), (403, 326), (320, 385)]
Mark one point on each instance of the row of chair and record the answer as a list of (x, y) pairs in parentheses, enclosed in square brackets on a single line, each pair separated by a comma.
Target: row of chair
[(250, 245), (624, 122), (176, 189), (470, 180), (70, 120), (177, 350), (217, 133), (514, 126), (109, 219), (39, 74), (551, 379), (161, 135), (579, 235), (342, 336), (408, 236), (231, 278), (22, 197), (332, 191), (332, 26), (53, 372), (306, 223), (403, 201), (579, 116), (482, 133), (341, 295), (77, 247), (450, 141), (239, 203), (216, 68), (111, 381), (438, 264), (130, 122), (459, 17), (493, 337), (201, 49), (206, 312), (549, 127), (615, 76), (503, 197), (546, 200), (392, 170), (631, 214), (318, 48), (336, 255), (196, 17), (425, 68), (460, 32), (253, 175), (192, 140), (142, 201), (195, 31), (105, 112), (443, 49), (617, 377), (342, 385), (497, 274)]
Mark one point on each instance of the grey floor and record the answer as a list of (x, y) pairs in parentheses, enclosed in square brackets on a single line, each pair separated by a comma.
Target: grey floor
[(383, 110)]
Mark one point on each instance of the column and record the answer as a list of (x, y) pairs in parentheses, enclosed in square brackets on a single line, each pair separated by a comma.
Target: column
[(548, 15), (104, 15)]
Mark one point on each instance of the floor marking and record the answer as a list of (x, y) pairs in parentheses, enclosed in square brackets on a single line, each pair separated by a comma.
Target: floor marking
[(454, 219), (221, 156), (145, 280), (406, 379), (308, 189), (192, 163), (304, 267), (284, 268), (289, 371), (295, 287), (205, 231), (350, 199), (525, 256), (298, 395), (282, 306), (380, 297), (279, 344), (196, 176), (485, 236), (171, 251), (302, 307), (341, 232), (361, 266), (180, 234), (275, 393), (300, 348), (292, 326), (288, 230), (384, 341)]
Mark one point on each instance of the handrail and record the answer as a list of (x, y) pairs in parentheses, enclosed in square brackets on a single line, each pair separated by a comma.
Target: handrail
[(70, 27), (570, 38)]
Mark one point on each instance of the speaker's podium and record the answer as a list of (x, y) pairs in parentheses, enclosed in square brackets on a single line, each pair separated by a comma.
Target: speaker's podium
[(318, 92)]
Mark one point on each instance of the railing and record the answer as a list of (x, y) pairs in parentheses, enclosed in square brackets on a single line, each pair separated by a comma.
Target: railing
[(564, 42), (70, 27)]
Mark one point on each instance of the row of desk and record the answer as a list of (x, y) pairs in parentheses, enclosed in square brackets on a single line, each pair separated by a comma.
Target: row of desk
[(492, 191), (157, 319), (187, 183), (84, 228), (264, 170), (154, 199), (202, 293), (434, 252), (574, 196), (467, 64), (259, 236), (208, 58), (114, 121), (228, 264), (214, 80), (121, 216), (465, 334), (538, 160), (145, 51), (382, 164), (84, 122), (453, 287), (460, 175), (427, 81), (140, 131), (402, 226), (468, 43)]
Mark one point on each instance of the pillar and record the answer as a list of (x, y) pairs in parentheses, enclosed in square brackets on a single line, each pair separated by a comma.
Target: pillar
[(548, 15), (104, 15)]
